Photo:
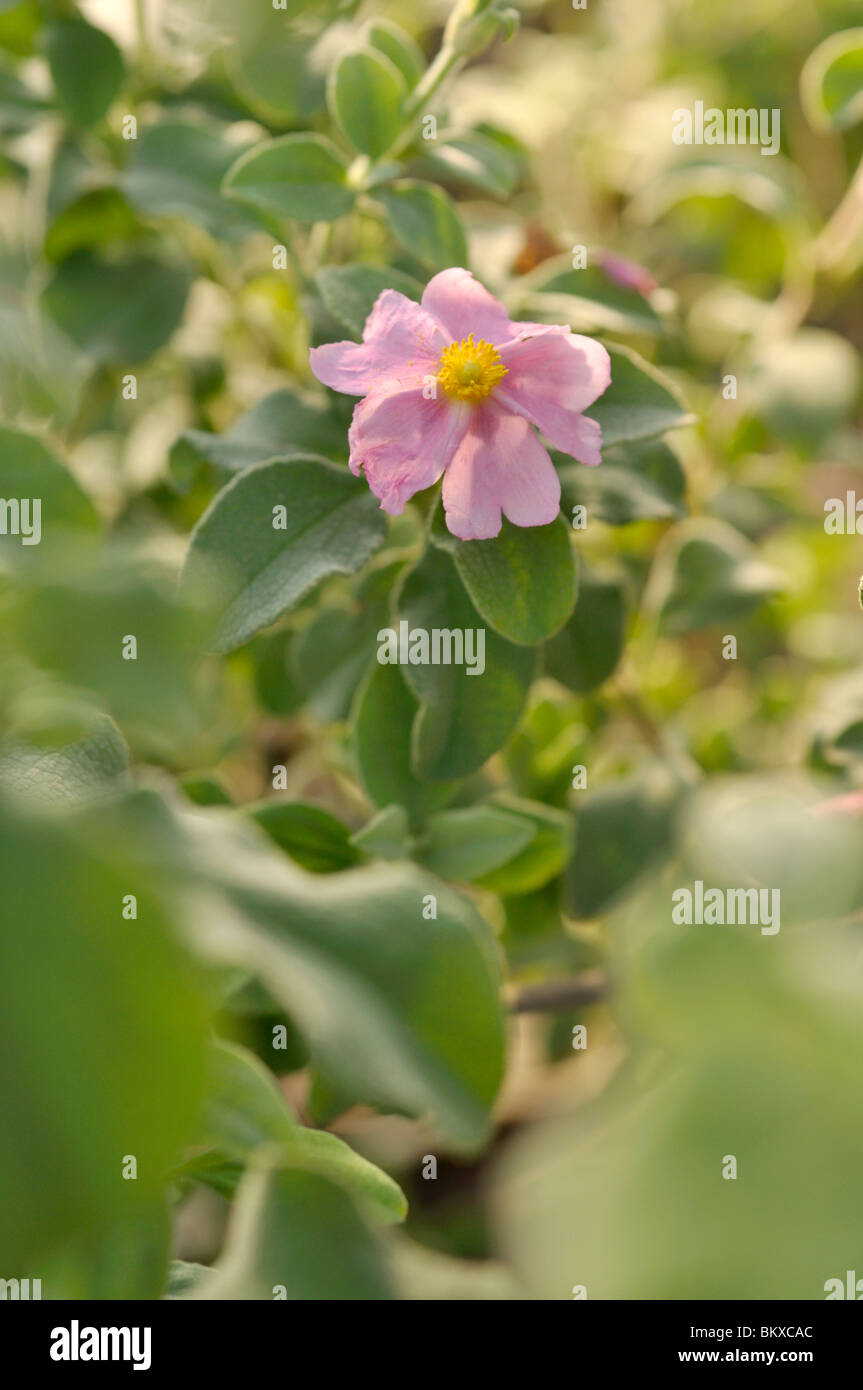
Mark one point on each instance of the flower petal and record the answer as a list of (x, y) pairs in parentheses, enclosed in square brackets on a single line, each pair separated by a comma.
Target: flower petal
[(399, 340), (464, 306), (403, 442), (499, 466), (552, 378)]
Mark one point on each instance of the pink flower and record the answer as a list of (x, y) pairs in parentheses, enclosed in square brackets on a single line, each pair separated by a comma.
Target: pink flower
[(453, 387)]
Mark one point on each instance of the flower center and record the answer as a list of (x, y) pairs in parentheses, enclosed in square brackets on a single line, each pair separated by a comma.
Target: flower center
[(469, 371)]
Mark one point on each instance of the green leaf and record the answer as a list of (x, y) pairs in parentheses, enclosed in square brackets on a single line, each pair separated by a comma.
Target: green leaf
[(803, 386), (296, 1232), (587, 299), (639, 403), (280, 424), (331, 525), (86, 68), (467, 711), (523, 582), (71, 1115), (129, 1261), (620, 830), (383, 722), (403, 51), (585, 652), (475, 159), (466, 843), (119, 311), (831, 83), (365, 93), (59, 773), (177, 170), (310, 835), (543, 857), (19, 106), (350, 291), (387, 835), (424, 220), (302, 177), (276, 75), (641, 481), (100, 217), (29, 470), (712, 576), (245, 1109)]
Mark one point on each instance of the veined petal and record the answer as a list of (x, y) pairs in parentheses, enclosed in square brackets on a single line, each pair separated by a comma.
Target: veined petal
[(499, 466), (463, 306), (399, 340), (403, 442), (552, 378)]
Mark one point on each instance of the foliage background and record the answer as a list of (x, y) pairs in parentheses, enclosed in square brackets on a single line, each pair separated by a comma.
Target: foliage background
[(155, 386)]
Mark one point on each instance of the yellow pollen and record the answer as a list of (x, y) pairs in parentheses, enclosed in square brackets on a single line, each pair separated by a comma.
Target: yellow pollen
[(470, 371)]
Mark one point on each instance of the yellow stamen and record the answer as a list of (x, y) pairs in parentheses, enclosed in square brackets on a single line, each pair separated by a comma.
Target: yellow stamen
[(469, 371)]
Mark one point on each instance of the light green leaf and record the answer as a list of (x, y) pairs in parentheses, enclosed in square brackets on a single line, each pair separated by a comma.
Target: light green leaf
[(295, 1235), (302, 177), (523, 582), (331, 525), (425, 221), (365, 93), (712, 576), (474, 159), (387, 835), (55, 773), (403, 51), (29, 470), (831, 83), (542, 858), (471, 841)]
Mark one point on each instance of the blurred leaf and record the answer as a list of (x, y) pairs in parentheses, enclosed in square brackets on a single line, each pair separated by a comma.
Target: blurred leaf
[(71, 1119), (831, 83), (523, 582), (620, 830), (425, 222), (86, 67), (301, 177), (589, 300), (100, 217), (466, 712), (639, 403), (298, 1232), (19, 106), (403, 51), (473, 158), (387, 834), (51, 773), (802, 386), (466, 843), (542, 858), (350, 291), (331, 525), (310, 835), (282, 423), (29, 470), (713, 576), (587, 649), (127, 1262), (177, 170), (640, 481), (119, 311), (365, 93), (245, 1109)]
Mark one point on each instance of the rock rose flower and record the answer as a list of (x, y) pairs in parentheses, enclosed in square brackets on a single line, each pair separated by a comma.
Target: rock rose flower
[(452, 386)]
